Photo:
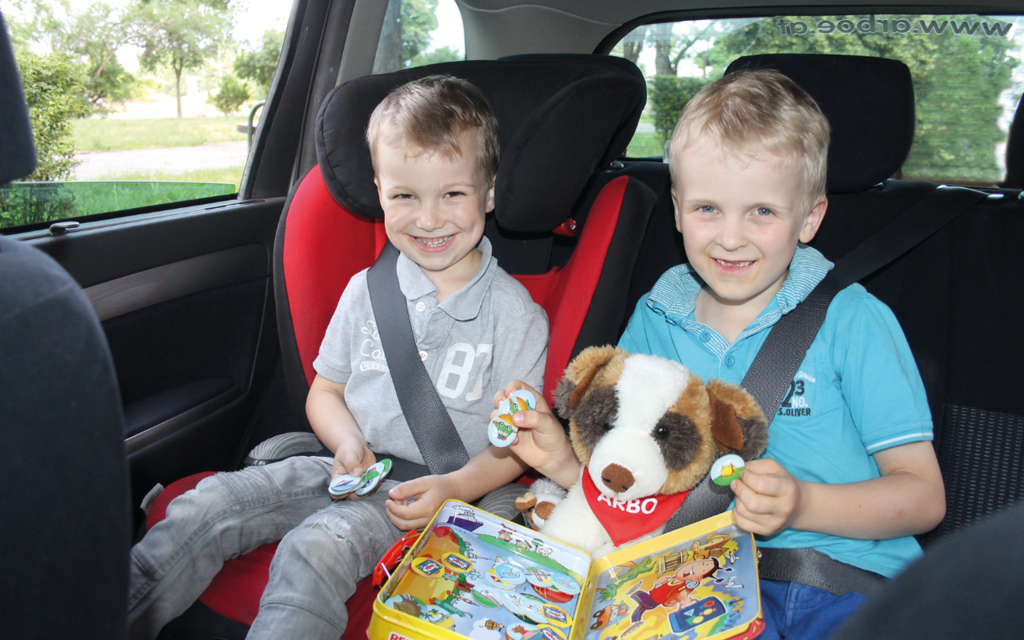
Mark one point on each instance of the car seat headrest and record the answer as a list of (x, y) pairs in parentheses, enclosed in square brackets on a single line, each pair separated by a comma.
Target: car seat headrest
[(19, 156), (1015, 147), (560, 118), (869, 103)]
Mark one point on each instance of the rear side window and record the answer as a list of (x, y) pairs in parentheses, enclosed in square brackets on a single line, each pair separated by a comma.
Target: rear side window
[(965, 71), (138, 104), (419, 32)]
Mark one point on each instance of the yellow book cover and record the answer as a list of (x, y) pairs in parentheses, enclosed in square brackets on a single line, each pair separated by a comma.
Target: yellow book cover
[(474, 575)]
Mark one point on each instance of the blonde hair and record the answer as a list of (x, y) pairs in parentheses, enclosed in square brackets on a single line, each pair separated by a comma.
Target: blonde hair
[(432, 113), (760, 111)]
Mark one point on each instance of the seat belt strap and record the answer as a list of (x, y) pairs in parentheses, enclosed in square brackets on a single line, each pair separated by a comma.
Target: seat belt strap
[(431, 426), (937, 209), (768, 380)]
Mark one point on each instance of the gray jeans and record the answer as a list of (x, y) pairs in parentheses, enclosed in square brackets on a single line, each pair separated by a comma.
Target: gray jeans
[(326, 547)]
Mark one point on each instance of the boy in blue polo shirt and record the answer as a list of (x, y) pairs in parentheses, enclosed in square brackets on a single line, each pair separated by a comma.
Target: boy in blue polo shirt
[(849, 470)]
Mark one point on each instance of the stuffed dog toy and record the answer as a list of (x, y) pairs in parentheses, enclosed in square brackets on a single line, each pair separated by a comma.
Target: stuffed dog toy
[(646, 430)]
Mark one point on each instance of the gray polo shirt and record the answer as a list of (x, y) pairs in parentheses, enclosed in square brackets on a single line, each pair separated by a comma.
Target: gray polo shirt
[(474, 343)]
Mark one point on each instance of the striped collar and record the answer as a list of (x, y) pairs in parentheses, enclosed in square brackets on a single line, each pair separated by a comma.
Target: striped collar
[(675, 294)]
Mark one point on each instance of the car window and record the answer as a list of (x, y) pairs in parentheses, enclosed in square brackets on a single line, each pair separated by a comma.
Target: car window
[(966, 72), (419, 32), (138, 104)]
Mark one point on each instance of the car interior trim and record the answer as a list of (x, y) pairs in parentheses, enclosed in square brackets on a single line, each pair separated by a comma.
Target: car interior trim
[(160, 284), (171, 426)]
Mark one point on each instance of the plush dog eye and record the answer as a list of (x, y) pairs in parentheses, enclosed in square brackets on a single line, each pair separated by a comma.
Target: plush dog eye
[(607, 426), (678, 438)]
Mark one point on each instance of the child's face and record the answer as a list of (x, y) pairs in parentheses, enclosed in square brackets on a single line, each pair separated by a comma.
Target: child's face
[(741, 219), (434, 208)]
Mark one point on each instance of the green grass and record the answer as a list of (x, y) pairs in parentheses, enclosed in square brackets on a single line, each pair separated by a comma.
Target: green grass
[(32, 203), (231, 175), (645, 144), (109, 134)]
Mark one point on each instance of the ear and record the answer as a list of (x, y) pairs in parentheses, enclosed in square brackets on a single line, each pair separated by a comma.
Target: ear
[(579, 375), (737, 423), (813, 221), (725, 427), (489, 206), (675, 209)]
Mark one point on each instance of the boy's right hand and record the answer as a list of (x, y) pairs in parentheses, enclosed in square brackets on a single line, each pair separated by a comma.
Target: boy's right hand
[(541, 442), (352, 457)]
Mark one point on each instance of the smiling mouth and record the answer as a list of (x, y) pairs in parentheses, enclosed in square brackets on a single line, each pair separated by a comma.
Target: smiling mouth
[(734, 264), (433, 243)]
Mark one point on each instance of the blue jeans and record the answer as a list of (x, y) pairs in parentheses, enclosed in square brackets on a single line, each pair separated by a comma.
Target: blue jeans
[(798, 612)]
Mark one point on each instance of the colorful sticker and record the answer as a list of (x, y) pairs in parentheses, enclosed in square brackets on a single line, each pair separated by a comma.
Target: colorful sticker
[(522, 631), (566, 584), (344, 485), (501, 431), (551, 633), (539, 577), (487, 598), (457, 563), (556, 615), (505, 576), (364, 485), (374, 476), (726, 469), (428, 568)]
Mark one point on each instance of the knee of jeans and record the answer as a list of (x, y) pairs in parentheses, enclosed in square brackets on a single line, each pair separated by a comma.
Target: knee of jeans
[(324, 537)]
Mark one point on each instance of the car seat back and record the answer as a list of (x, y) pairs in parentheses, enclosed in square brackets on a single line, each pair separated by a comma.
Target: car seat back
[(561, 119)]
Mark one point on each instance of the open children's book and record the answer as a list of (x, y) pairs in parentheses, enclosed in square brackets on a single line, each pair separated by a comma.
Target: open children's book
[(474, 575)]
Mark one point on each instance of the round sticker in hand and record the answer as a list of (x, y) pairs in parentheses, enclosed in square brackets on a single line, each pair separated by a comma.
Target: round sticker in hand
[(726, 469), (501, 431)]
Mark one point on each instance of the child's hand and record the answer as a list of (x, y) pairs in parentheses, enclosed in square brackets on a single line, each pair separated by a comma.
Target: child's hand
[(541, 442), (767, 497), (415, 502), (352, 457)]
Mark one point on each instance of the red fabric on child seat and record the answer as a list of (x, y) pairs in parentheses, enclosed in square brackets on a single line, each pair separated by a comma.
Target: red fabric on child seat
[(317, 267), (567, 306), (235, 592)]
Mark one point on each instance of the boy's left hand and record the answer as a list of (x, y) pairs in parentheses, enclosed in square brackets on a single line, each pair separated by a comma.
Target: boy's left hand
[(767, 497), (427, 494)]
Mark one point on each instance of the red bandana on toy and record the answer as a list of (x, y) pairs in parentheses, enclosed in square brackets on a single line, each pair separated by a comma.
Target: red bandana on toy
[(625, 521)]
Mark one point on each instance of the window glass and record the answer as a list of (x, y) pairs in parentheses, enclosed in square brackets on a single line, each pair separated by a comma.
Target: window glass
[(966, 72), (419, 32), (136, 103)]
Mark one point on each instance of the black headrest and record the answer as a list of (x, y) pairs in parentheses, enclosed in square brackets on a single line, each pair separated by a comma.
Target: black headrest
[(869, 102), (560, 118), (19, 151), (1015, 147)]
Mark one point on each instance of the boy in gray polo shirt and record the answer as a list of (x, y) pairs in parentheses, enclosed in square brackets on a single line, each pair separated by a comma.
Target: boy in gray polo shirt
[(434, 148)]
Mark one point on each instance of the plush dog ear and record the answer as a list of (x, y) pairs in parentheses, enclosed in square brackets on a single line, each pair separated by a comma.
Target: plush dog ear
[(579, 375), (737, 423)]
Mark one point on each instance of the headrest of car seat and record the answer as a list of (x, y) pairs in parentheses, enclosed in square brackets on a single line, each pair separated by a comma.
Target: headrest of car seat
[(19, 156), (560, 118), (869, 102), (1015, 147)]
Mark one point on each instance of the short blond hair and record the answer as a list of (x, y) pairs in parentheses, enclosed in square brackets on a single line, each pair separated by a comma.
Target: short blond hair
[(753, 112), (431, 114)]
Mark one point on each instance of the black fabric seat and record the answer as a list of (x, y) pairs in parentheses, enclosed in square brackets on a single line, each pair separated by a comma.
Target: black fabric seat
[(66, 525)]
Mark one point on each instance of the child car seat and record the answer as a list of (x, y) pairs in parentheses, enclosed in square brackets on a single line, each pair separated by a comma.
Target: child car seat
[(561, 120)]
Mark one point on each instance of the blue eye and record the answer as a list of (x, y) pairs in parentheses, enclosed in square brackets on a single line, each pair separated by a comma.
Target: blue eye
[(764, 211), (706, 209)]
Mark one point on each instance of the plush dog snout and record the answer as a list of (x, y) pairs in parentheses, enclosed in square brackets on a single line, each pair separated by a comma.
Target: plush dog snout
[(617, 478)]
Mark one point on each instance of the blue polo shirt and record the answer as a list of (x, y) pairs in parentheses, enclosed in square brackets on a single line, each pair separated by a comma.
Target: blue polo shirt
[(857, 391)]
